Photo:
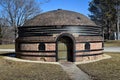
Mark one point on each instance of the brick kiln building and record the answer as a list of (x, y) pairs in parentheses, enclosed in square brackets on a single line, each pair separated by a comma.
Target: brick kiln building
[(59, 35)]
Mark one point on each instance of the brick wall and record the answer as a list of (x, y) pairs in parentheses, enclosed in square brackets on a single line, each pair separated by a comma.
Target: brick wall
[(29, 46), (45, 59), (96, 45), (81, 46), (93, 46), (48, 59), (50, 46), (34, 47), (88, 58)]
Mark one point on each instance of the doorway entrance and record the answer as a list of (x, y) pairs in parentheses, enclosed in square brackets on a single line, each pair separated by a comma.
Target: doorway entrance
[(65, 49)]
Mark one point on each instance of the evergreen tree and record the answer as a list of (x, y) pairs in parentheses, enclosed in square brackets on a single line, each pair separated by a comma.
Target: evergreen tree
[(103, 12)]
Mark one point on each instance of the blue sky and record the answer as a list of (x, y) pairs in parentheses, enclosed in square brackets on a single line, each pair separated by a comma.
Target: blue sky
[(80, 6)]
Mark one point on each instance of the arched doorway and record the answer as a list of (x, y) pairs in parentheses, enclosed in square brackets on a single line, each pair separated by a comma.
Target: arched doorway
[(65, 48)]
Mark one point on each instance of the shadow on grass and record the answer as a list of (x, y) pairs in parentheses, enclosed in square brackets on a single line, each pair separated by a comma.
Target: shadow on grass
[(10, 54)]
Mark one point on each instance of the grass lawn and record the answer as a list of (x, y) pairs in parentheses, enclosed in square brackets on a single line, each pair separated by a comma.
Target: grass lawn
[(13, 70), (8, 46), (108, 69), (4, 52), (111, 43)]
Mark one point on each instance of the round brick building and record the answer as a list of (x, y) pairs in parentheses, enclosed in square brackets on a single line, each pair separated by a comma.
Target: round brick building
[(59, 35)]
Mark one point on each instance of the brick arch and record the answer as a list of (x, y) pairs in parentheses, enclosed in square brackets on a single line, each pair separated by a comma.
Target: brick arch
[(70, 49)]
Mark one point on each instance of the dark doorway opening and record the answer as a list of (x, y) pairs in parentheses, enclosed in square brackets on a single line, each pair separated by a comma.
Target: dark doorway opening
[(65, 49)]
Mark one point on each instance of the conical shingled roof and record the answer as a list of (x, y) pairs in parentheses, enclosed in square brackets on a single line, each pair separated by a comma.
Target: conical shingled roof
[(59, 17)]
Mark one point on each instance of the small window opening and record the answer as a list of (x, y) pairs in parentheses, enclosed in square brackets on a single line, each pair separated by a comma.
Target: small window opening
[(59, 9), (87, 46), (41, 46), (78, 18)]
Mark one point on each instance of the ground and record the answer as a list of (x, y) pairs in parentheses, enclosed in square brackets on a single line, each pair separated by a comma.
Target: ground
[(108, 69), (112, 43), (13, 70), (8, 46)]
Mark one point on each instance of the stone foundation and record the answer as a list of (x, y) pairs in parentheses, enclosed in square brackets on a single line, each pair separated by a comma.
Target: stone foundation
[(88, 58), (45, 59)]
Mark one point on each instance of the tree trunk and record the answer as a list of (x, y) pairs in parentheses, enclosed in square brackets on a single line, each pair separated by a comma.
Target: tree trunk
[(108, 30)]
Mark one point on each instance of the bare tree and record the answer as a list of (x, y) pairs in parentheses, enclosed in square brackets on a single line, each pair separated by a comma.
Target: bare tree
[(16, 12), (6, 32)]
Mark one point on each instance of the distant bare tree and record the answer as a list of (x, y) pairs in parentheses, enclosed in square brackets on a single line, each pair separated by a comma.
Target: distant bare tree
[(6, 32), (16, 12), (2, 24)]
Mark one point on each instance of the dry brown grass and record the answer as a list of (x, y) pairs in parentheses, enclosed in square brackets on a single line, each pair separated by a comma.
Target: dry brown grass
[(12, 70), (8, 46), (112, 43), (108, 69), (3, 52)]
